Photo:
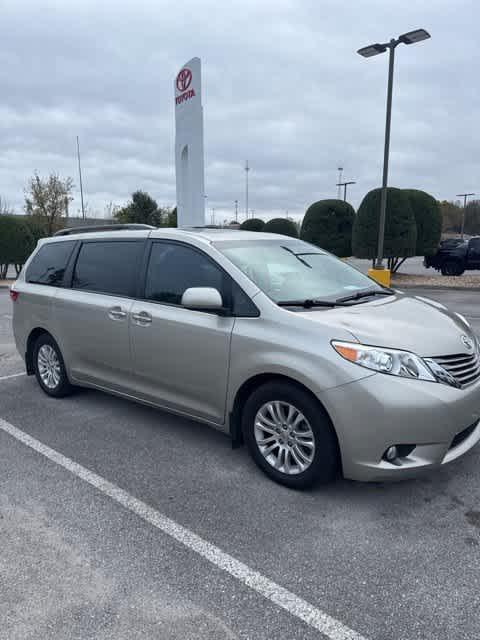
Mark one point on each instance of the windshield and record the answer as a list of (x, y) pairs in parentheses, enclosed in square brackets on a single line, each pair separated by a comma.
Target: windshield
[(295, 270)]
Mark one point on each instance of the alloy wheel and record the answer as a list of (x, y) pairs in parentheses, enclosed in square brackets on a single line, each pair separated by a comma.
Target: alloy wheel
[(49, 367), (284, 437)]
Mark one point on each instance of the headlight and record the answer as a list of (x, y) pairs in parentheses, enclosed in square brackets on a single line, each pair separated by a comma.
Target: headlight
[(390, 361)]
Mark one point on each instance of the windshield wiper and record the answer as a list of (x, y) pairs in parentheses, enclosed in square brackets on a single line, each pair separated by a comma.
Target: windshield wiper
[(298, 256), (308, 304), (366, 294)]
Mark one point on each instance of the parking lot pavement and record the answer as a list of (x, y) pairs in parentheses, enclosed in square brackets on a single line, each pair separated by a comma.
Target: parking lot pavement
[(389, 561)]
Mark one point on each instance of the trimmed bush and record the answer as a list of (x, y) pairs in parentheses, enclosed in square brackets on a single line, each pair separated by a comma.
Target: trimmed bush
[(252, 224), (328, 224), (400, 227), (429, 221), (283, 226)]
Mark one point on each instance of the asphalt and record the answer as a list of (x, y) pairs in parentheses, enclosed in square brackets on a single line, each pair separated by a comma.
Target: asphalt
[(391, 561)]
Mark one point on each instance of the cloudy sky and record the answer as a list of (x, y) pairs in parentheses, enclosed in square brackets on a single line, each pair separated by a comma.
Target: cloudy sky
[(282, 86)]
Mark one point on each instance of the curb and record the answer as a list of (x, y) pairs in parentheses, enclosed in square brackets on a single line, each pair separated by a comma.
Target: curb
[(394, 285)]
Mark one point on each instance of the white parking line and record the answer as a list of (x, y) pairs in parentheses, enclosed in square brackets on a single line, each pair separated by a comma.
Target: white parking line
[(293, 604), (12, 375)]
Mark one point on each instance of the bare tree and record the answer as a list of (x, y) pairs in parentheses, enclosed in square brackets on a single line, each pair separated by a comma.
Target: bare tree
[(5, 208), (111, 210), (47, 199)]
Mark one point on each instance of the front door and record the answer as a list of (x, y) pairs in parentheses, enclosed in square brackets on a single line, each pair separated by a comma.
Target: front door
[(92, 316), (180, 356)]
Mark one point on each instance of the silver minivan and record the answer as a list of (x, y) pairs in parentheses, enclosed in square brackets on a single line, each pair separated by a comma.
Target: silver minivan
[(317, 368)]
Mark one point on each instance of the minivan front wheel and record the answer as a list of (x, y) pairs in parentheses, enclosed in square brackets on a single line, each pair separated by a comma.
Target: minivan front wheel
[(289, 435), (49, 367)]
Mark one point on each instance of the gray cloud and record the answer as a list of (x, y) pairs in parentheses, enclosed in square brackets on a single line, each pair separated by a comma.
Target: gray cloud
[(283, 87)]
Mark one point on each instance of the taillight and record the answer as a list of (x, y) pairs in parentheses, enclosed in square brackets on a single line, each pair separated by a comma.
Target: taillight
[(13, 295)]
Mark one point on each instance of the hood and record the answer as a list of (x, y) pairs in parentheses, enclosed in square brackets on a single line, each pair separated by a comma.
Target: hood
[(412, 323)]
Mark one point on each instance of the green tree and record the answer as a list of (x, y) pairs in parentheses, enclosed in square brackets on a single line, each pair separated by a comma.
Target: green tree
[(328, 224), (472, 218), (428, 219), (170, 218), (283, 226), (142, 209), (252, 224), (47, 199), (400, 228), (16, 243)]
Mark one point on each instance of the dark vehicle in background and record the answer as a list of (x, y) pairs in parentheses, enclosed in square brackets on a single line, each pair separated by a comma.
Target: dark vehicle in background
[(455, 256)]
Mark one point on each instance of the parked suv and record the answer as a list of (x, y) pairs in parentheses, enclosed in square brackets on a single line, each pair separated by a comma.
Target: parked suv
[(314, 366), (455, 256)]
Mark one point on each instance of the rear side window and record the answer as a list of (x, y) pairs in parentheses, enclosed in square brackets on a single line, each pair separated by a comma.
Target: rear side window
[(49, 264), (108, 267)]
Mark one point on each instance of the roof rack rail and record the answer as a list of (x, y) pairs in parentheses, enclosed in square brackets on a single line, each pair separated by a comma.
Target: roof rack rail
[(105, 227)]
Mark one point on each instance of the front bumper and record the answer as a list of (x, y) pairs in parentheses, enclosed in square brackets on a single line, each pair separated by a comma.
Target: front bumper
[(379, 411)]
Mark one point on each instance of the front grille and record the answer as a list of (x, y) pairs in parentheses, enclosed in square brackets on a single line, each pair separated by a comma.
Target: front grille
[(465, 368), (463, 435)]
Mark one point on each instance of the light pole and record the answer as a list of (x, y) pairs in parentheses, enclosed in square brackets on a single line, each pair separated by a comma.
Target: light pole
[(80, 176), (340, 171), (247, 169), (367, 52), (344, 185), (236, 210), (464, 196)]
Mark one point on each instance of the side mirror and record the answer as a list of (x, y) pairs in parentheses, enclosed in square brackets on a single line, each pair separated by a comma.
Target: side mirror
[(202, 299)]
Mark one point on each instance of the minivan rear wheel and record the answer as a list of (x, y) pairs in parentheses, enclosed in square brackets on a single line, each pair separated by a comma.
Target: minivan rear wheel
[(50, 368), (289, 435)]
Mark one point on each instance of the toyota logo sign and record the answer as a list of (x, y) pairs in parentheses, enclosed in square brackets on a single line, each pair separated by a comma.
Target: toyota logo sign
[(184, 79)]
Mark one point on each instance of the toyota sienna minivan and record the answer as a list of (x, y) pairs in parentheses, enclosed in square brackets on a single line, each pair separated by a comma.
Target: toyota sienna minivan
[(316, 367)]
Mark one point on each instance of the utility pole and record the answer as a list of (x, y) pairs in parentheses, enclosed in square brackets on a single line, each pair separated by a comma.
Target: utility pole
[(213, 215), (80, 176), (247, 169), (344, 185), (464, 196), (340, 173), (236, 210)]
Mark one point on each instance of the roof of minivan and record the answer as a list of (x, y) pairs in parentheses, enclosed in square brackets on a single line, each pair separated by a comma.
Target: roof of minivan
[(201, 233)]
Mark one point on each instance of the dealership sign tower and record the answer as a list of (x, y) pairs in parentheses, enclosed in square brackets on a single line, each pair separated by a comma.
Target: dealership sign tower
[(189, 165)]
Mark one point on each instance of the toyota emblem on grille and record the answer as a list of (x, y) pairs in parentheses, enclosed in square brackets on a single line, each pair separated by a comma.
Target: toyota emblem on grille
[(467, 342)]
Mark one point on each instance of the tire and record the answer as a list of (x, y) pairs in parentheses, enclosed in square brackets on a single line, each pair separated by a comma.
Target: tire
[(257, 415), (451, 268), (50, 368)]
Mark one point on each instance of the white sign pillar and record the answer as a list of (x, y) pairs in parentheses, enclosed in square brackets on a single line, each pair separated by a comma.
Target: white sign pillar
[(189, 159)]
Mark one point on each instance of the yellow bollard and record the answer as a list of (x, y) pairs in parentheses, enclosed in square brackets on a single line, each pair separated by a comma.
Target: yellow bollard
[(382, 276)]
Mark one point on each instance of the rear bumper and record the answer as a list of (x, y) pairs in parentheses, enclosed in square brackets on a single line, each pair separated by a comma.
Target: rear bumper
[(380, 411)]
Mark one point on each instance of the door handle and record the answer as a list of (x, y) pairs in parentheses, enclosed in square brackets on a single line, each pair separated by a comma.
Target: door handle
[(142, 318), (117, 313)]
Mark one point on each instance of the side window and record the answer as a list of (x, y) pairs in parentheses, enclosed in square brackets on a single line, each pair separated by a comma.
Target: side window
[(108, 267), (49, 264), (475, 245), (173, 268)]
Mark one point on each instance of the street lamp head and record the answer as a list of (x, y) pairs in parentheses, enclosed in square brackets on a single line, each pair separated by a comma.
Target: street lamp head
[(414, 36), (372, 50)]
